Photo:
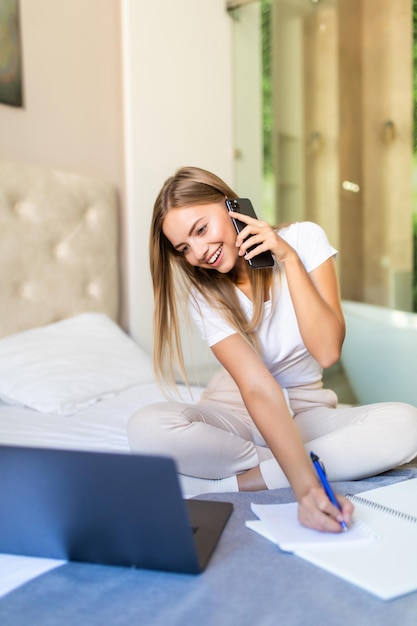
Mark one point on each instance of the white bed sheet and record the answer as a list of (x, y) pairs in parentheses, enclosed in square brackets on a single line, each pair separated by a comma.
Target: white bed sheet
[(101, 426)]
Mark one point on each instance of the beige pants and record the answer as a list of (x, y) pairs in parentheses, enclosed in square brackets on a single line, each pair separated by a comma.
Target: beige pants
[(216, 437)]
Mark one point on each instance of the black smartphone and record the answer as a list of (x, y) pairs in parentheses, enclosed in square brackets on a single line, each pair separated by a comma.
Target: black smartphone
[(244, 205)]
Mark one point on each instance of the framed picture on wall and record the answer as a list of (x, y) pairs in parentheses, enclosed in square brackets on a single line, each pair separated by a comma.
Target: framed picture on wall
[(11, 89)]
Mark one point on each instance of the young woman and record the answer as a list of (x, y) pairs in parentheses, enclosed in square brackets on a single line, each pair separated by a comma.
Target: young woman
[(272, 330)]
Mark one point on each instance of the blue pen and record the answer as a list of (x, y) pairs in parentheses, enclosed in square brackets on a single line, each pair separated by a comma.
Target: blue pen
[(321, 473)]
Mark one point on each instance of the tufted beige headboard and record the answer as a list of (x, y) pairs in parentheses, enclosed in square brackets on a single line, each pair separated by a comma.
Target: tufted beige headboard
[(58, 246)]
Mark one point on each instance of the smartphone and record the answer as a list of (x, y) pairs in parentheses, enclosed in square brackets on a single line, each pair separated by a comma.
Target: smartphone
[(244, 205)]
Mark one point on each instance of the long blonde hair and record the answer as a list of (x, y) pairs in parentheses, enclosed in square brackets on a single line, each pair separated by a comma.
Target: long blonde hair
[(174, 278)]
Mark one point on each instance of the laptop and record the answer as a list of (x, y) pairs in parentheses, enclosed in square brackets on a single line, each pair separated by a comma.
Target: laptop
[(113, 509)]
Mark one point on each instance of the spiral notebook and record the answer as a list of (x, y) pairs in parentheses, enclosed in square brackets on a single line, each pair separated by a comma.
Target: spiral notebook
[(386, 567), (379, 552)]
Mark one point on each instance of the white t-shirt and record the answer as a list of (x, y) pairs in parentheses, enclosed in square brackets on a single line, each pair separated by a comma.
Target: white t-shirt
[(284, 352)]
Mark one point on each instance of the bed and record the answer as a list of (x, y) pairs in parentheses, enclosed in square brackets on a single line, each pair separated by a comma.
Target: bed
[(64, 360), (59, 277)]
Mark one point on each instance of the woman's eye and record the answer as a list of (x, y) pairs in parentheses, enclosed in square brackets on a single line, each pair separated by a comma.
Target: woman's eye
[(202, 229), (184, 250)]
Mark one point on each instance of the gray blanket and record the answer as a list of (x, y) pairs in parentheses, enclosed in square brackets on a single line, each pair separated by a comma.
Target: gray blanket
[(249, 581)]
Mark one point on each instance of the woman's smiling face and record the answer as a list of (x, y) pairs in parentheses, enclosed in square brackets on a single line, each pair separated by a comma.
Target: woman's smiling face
[(204, 234)]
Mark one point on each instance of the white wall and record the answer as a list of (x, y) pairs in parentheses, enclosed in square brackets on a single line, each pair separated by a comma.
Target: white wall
[(178, 111), (72, 113)]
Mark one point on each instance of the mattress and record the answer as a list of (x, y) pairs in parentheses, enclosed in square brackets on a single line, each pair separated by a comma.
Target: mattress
[(99, 427)]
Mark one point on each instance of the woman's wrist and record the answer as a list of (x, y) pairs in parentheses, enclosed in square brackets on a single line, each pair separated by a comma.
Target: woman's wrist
[(291, 258), (303, 486)]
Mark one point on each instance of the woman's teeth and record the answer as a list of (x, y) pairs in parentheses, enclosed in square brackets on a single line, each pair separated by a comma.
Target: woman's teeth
[(215, 256)]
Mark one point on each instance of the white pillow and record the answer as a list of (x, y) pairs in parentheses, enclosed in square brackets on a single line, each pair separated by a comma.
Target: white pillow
[(66, 366)]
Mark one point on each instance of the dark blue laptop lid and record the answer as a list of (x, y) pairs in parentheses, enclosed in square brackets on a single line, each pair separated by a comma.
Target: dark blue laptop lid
[(114, 509)]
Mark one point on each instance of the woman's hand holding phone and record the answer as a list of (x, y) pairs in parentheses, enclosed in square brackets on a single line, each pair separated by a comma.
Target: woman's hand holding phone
[(256, 237), (247, 227)]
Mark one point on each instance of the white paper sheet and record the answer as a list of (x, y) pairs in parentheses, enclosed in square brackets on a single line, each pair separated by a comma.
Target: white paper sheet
[(17, 570)]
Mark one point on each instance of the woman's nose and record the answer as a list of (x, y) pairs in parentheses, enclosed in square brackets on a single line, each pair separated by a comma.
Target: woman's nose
[(200, 250)]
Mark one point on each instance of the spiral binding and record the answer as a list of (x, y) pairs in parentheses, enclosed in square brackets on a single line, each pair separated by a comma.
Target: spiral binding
[(381, 507)]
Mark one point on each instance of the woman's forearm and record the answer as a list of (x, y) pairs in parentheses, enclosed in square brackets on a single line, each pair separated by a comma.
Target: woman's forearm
[(272, 417)]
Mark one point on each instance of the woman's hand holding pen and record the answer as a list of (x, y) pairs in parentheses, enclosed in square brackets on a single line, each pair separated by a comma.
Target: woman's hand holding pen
[(316, 511)]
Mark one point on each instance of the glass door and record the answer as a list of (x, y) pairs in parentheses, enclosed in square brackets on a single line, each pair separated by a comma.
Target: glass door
[(325, 87)]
